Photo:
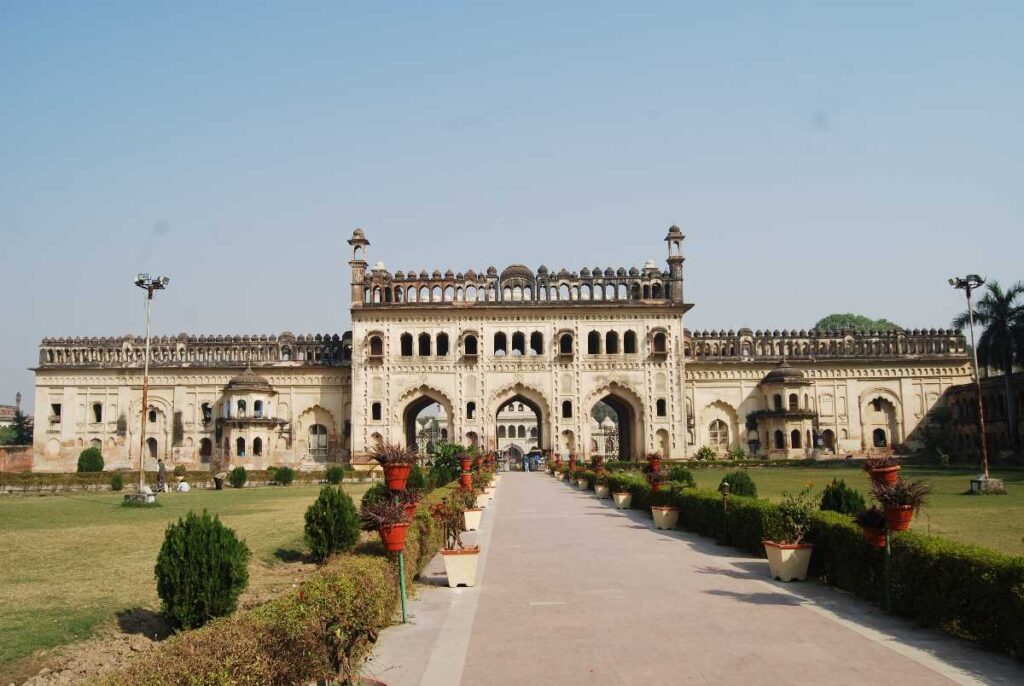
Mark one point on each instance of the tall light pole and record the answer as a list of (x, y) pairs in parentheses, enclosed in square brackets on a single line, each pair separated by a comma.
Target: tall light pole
[(150, 285), (968, 284)]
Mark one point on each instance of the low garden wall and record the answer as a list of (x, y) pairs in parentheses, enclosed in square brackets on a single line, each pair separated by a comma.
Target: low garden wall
[(966, 590), (46, 483)]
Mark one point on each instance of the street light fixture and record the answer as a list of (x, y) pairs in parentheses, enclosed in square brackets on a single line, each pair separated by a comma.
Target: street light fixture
[(150, 285), (968, 284)]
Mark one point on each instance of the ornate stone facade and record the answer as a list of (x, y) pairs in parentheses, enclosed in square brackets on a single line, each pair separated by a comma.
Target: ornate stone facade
[(476, 343)]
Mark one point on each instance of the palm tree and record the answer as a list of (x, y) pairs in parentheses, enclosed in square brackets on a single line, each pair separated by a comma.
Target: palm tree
[(1002, 343)]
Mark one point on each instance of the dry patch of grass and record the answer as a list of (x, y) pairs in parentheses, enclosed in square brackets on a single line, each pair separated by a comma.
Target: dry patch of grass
[(71, 563)]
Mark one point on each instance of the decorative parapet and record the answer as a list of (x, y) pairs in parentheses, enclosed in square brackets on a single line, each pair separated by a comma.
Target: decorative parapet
[(328, 350), (746, 344)]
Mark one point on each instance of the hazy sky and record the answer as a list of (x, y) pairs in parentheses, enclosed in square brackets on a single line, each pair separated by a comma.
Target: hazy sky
[(819, 158)]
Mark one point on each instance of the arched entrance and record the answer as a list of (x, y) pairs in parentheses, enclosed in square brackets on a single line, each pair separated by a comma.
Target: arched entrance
[(523, 413), (427, 421), (880, 420), (628, 412), (828, 439)]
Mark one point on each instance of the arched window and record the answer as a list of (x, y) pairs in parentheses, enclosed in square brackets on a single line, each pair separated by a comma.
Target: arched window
[(878, 438), (611, 343), (718, 435), (501, 432), (777, 400), (257, 409), (424, 345), (518, 343), (537, 343), (207, 411), (794, 438), (240, 406), (152, 416), (500, 344), (533, 432), (376, 346), (656, 290), (257, 447), (629, 342), (442, 345), (794, 402), (375, 412), (469, 346), (205, 450), (660, 343), (318, 442), (594, 343), (151, 446), (565, 344), (522, 431), (470, 410), (97, 412), (662, 407), (406, 345), (807, 401), (780, 440), (240, 447), (567, 409)]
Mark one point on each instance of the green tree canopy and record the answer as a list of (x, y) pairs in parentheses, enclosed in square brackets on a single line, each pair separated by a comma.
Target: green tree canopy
[(856, 322)]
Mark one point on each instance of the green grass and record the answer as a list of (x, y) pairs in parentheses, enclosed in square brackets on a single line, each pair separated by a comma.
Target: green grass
[(992, 521), (71, 563)]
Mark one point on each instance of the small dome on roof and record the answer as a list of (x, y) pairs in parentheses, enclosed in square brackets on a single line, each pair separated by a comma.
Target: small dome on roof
[(785, 374), (517, 271), (249, 381)]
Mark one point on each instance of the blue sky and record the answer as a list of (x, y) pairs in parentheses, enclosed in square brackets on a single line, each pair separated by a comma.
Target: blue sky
[(819, 157)]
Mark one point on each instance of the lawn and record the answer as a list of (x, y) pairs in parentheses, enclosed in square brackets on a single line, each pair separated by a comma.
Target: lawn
[(71, 563), (995, 522)]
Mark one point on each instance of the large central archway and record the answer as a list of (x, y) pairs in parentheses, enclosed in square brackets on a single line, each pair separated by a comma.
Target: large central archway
[(532, 402), (628, 410), (435, 424)]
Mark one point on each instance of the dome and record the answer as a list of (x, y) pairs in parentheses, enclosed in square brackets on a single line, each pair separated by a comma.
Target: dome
[(517, 271), (249, 381), (785, 374)]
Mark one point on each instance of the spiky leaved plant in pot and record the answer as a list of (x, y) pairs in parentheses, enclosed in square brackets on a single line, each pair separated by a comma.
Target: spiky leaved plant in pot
[(901, 501), (396, 462), (387, 517)]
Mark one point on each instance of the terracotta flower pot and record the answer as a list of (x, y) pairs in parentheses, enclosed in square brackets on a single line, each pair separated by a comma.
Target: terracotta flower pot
[(471, 518), (466, 480), (665, 517), (467, 463), (898, 517), (874, 537), (655, 463), (410, 509), (788, 561), (886, 475), (395, 476), (393, 536), (460, 565), (622, 500), (601, 490)]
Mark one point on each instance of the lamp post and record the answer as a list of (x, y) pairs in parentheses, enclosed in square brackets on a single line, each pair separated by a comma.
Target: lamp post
[(150, 285), (968, 284)]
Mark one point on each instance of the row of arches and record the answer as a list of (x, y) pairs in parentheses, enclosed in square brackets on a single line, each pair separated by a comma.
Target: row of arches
[(830, 347), (518, 344), (544, 292)]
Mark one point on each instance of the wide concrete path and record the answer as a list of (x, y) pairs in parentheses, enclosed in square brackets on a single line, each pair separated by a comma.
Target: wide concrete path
[(576, 592)]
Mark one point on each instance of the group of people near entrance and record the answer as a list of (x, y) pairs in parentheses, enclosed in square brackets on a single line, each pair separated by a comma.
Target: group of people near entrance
[(161, 480)]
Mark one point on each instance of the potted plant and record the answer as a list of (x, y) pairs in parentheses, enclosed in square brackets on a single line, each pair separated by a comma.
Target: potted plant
[(665, 515), (885, 468), (460, 562), (387, 517), (410, 499), (622, 499), (900, 500), (581, 481), (872, 521), (601, 488), (396, 462), (471, 514), (789, 557), (654, 462)]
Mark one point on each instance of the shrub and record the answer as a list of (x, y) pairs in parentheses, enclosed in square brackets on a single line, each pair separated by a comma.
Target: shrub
[(200, 571), (284, 476), (737, 454), (870, 518), (417, 479), (334, 474), (116, 481), (90, 460), (179, 470), (740, 483), (332, 523), (838, 497), (237, 477), (678, 472), (705, 454), (795, 511), (374, 494)]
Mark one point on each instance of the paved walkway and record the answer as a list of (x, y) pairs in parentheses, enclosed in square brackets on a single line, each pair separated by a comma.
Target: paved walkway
[(573, 591)]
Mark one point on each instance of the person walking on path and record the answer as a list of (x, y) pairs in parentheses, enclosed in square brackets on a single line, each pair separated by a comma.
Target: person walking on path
[(161, 476)]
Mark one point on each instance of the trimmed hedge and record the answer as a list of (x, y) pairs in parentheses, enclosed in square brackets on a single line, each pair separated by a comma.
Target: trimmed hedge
[(324, 627), (968, 591)]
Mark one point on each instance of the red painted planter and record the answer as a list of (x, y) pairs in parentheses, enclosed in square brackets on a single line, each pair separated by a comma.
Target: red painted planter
[(874, 537), (898, 517), (886, 475), (467, 463), (655, 463), (395, 476), (466, 480), (410, 509), (393, 536)]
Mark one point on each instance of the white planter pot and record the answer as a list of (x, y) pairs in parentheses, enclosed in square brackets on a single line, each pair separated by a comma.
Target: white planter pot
[(622, 500), (788, 562), (471, 519), (460, 565), (665, 517), (582, 484), (481, 500), (601, 490), (564, 476)]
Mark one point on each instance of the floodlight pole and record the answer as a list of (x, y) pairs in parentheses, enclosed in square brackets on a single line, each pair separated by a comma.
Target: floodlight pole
[(150, 286), (967, 285)]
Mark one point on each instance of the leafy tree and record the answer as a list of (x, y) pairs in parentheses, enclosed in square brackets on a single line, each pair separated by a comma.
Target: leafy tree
[(18, 433), (332, 523), (7, 435), (838, 497), (90, 460), (1001, 345), (856, 322)]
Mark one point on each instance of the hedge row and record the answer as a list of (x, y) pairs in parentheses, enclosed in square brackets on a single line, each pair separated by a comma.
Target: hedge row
[(324, 627), (966, 590), (58, 482)]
